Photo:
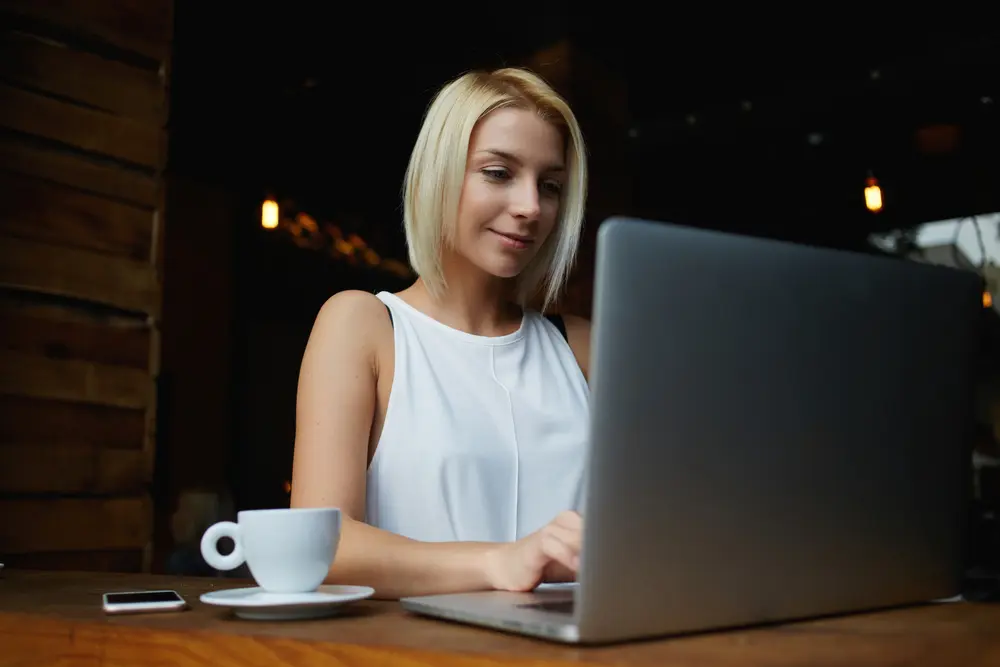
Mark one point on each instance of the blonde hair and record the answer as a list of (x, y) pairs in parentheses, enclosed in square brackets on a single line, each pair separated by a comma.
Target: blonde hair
[(436, 173)]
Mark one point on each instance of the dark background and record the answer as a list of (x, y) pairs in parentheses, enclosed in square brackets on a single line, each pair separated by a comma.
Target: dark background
[(325, 103), (766, 123)]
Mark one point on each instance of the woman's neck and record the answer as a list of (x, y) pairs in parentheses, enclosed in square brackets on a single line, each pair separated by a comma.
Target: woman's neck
[(472, 301)]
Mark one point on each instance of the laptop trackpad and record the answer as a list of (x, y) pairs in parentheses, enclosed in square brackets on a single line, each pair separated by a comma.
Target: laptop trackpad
[(554, 598), (557, 606)]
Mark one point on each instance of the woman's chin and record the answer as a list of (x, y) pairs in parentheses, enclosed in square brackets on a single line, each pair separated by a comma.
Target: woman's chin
[(505, 270), (505, 266), (500, 267)]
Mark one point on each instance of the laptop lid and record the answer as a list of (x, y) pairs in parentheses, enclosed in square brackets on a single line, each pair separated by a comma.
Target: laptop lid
[(779, 431)]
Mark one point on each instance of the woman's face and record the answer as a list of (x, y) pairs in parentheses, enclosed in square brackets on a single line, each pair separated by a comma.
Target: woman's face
[(511, 194)]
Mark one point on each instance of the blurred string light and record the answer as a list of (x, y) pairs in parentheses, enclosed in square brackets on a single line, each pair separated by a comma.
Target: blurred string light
[(306, 232)]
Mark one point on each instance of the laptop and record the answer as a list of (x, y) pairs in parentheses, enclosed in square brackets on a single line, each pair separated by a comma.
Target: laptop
[(778, 432)]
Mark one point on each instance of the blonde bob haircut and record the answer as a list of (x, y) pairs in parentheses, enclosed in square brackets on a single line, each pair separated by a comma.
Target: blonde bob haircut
[(436, 173)]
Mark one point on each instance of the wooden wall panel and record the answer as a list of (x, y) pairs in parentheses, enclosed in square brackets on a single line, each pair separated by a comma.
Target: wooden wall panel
[(84, 101), (80, 127), (98, 82), (54, 331), (53, 422), (80, 275), (37, 210), (83, 469), (66, 168), (141, 27), (68, 524)]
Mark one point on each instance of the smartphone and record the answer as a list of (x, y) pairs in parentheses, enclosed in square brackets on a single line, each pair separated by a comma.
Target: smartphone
[(142, 602)]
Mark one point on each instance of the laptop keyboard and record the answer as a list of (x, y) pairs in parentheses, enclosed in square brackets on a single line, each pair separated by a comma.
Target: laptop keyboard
[(557, 606)]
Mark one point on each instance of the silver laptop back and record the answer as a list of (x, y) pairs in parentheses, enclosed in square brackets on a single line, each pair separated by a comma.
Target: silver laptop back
[(778, 432)]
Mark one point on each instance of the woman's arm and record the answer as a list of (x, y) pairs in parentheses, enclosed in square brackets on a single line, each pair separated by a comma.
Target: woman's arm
[(335, 409)]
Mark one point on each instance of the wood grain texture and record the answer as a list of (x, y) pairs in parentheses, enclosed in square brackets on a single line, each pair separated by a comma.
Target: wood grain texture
[(50, 422), (72, 380), (76, 170), (87, 129), (80, 274), (72, 331), (72, 468), (55, 619), (58, 69), (144, 27), (34, 209), (83, 111), (74, 524)]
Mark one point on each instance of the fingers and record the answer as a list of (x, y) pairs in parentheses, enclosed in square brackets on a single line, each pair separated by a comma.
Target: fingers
[(568, 526), (571, 537), (553, 547), (561, 541), (569, 519)]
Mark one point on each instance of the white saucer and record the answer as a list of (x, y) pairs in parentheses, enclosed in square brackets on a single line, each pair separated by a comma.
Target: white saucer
[(258, 605)]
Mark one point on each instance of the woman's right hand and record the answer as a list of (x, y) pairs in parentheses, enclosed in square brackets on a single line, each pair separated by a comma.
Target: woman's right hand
[(551, 554)]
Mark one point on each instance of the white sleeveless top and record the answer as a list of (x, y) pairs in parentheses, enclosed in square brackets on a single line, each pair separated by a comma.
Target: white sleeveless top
[(484, 437)]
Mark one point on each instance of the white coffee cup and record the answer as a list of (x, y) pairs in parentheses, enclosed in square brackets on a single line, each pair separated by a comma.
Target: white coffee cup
[(286, 550)]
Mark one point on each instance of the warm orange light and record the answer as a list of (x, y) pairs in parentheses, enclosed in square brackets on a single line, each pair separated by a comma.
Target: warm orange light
[(307, 222), (987, 299), (288, 487), (873, 195), (343, 247), (269, 214)]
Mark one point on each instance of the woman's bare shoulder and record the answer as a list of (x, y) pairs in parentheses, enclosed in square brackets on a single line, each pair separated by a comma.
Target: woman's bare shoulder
[(353, 319), (361, 309)]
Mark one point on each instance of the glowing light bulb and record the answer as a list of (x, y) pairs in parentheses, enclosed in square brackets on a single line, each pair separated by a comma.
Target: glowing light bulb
[(873, 195), (269, 214)]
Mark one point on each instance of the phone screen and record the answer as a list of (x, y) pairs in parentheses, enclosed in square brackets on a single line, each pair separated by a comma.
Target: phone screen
[(142, 596)]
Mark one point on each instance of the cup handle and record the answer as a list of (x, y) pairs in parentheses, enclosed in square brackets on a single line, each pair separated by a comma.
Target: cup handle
[(210, 546)]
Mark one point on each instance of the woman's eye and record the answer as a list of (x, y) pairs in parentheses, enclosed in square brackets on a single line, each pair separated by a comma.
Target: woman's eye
[(496, 173)]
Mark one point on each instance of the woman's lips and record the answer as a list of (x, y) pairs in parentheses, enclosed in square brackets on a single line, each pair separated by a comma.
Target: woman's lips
[(515, 241)]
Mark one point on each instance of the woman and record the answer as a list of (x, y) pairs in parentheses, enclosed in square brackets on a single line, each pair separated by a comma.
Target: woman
[(449, 421)]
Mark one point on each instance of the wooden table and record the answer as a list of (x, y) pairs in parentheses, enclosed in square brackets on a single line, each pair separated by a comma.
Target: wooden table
[(55, 618)]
